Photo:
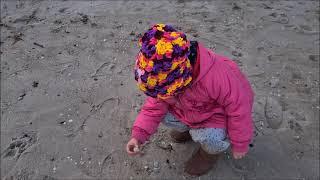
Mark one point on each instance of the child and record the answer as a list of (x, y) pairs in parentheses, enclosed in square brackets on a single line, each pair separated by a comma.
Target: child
[(201, 95)]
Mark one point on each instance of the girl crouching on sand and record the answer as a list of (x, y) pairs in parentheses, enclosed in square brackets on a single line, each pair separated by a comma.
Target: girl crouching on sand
[(201, 95)]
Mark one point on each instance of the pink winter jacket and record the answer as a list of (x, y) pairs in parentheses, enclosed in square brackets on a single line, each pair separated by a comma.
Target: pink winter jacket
[(220, 97)]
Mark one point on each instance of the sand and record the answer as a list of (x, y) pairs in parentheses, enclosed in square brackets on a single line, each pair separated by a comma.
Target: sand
[(68, 96)]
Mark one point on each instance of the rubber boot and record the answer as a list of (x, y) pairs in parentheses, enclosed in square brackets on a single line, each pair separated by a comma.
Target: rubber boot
[(180, 137), (201, 162)]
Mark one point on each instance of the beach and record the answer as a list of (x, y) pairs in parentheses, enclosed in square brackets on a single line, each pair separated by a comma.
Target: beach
[(69, 98)]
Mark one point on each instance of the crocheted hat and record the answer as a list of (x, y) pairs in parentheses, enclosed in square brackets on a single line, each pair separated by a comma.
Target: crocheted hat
[(162, 66)]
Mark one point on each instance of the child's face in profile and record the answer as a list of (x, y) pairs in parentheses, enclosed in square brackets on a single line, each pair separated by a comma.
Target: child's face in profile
[(172, 99)]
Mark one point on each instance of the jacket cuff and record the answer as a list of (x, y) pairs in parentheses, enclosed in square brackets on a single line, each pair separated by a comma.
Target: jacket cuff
[(240, 148), (140, 134)]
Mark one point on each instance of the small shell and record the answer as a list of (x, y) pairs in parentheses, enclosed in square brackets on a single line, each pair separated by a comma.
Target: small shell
[(136, 149)]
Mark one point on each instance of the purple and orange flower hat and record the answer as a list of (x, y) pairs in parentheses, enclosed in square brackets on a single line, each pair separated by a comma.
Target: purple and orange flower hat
[(162, 66)]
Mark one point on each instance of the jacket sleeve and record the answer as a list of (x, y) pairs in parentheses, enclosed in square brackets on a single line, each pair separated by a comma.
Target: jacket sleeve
[(149, 118), (236, 96)]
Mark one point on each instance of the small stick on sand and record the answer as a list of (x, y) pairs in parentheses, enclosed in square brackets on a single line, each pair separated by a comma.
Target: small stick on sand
[(37, 44)]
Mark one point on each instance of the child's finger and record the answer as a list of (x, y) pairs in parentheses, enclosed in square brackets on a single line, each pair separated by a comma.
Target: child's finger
[(132, 153), (128, 147)]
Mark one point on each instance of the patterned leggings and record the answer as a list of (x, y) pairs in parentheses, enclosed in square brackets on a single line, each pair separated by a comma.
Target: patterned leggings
[(212, 140)]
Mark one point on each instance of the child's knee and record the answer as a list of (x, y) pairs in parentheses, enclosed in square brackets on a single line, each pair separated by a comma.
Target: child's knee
[(213, 134), (215, 146)]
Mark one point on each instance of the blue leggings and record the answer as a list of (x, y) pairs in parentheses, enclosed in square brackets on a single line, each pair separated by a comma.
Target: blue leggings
[(212, 140)]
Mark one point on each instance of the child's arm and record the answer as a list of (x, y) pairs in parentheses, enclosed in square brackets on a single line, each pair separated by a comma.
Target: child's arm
[(230, 91), (148, 119)]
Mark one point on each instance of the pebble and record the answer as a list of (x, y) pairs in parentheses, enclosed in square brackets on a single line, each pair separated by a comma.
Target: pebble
[(296, 137), (164, 145), (21, 96), (54, 169), (136, 149), (306, 28), (251, 26), (261, 123), (156, 166), (70, 120), (100, 134), (274, 82), (283, 20), (35, 84), (314, 58), (236, 54)]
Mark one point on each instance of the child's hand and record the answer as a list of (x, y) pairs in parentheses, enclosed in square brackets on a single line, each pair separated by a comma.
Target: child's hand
[(133, 147), (238, 155)]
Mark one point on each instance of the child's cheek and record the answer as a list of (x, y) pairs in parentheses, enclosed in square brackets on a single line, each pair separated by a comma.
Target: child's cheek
[(171, 100)]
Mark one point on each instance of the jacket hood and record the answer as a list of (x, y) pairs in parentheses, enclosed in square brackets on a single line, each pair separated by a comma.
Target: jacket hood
[(206, 58)]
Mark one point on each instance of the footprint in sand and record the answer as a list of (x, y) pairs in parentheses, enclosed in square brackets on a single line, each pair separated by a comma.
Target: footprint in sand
[(273, 113), (20, 145), (243, 166)]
